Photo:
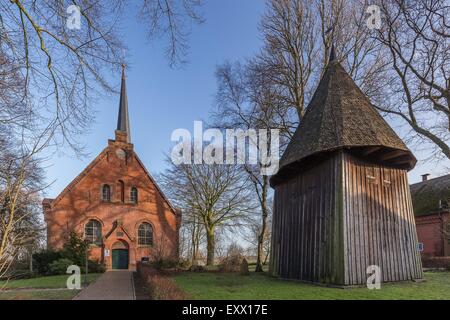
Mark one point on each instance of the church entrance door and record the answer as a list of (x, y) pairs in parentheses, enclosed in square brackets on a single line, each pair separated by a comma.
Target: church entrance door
[(120, 255)]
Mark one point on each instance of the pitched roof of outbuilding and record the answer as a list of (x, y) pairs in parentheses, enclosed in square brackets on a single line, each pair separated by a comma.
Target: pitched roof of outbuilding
[(340, 116), (427, 194)]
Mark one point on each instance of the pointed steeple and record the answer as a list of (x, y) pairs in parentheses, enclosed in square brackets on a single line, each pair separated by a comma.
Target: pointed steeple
[(123, 122), (332, 54)]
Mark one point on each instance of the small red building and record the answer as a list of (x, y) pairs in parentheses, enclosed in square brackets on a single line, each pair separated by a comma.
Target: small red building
[(115, 205), (431, 199)]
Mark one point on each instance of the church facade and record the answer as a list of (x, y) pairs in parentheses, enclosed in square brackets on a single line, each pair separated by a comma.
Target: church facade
[(116, 206)]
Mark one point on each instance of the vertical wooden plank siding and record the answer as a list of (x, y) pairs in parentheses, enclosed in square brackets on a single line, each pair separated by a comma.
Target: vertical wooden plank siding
[(385, 232), (307, 237), (334, 220)]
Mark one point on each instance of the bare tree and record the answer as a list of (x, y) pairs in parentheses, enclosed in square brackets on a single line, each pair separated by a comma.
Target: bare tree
[(191, 237), (171, 19), (415, 35), (196, 237), (246, 101), (298, 36), (267, 241), (260, 239), (62, 66), (21, 182), (217, 195), (51, 70), (272, 90), (160, 253)]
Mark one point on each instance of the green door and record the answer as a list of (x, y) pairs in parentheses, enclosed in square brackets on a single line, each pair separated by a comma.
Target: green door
[(120, 259)]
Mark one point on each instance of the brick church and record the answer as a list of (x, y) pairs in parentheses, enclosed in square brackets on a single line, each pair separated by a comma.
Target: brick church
[(115, 204)]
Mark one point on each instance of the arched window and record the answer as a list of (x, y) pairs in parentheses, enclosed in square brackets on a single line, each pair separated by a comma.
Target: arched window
[(122, 191), (93, 232), (145, 234), (134, 195), (106, 193)]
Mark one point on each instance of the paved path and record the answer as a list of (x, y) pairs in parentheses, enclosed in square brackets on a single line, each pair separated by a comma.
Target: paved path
[(112, 285)]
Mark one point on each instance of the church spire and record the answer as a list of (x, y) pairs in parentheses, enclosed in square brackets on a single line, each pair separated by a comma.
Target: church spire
[(332, 53), (123, 122)]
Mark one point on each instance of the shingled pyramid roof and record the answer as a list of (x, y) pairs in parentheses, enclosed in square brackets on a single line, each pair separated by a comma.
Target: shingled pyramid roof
[(341, 116)]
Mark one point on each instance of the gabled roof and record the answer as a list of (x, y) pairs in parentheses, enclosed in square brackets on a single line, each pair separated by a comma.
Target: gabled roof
[(86, 171), (175, 211), (427, 194), (341, 116), (123, 126), (78, 178)]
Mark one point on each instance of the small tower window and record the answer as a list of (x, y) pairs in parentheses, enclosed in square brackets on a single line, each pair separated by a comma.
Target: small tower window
[(372, 175), (145, 234), (106, 193), (134, 195), (93, 232), (122, 191)]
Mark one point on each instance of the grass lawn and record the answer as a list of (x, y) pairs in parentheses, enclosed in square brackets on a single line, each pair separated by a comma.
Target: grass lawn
[(42, 288), (260, 286), (49, 282), (39, 295)]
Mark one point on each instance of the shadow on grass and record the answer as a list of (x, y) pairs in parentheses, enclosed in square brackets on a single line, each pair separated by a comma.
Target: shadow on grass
[(261, 286)]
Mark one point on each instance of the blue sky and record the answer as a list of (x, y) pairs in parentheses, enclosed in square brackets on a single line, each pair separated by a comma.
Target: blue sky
[(162, 99)]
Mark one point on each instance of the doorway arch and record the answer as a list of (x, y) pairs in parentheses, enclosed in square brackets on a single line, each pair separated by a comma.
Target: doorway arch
[(120, 255)]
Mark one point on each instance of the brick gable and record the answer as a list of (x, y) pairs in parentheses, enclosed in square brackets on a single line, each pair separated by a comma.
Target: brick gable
[(82, 200)]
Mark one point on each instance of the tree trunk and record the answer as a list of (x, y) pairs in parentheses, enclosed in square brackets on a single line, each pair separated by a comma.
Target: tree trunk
[(260, 258), (261, 236), (193, 246), (266, 257), (210, 239), (259, 267), (31, 261), (197, 240)]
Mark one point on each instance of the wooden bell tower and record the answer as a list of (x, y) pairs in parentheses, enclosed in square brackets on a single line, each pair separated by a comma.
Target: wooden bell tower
[(342, 200)]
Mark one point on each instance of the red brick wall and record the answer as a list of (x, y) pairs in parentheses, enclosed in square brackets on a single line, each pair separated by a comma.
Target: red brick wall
[(82, 201), (429, 232)]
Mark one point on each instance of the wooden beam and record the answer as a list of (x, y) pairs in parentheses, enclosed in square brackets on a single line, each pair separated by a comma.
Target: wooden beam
[(391, 155), (370, 150), (401, 160)]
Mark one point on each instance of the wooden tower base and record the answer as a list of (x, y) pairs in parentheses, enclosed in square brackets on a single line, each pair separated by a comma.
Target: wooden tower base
[(339, 216)]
